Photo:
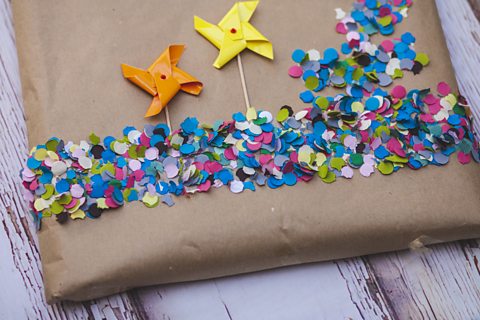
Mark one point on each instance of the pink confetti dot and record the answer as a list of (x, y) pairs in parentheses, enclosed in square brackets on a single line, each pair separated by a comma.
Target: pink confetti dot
[(464, 158), (399, 92), (444, 89), (340, 27), (295, 71), (387, 45)]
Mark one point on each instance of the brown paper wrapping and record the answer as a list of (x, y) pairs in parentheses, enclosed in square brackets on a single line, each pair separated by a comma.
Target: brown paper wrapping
[(70, 55)]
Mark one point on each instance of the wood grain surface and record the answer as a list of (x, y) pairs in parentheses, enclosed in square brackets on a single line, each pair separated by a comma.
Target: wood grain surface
[(441, 282)]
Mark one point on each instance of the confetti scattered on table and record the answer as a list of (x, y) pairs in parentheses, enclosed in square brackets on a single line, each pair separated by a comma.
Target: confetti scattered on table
[(383, 133), (163, 79), (234, 34)]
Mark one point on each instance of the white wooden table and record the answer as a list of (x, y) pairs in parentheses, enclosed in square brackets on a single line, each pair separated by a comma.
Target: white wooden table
[(442, 282)]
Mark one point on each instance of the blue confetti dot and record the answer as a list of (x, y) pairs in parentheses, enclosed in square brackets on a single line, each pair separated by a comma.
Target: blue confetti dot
[(356, 92), (33, 163), (62, 186), (187, 148), (329, 55), (290, 179), (408, 38), (46, 178), (307, 96), (346, 48), (371, 4), (454, 119), (372, 104), (189, 125), (224, 175), (298, 55), (381, 152)]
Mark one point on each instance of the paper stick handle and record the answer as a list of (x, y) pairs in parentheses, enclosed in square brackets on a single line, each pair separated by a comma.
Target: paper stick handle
[(167, 117), (242, 79)]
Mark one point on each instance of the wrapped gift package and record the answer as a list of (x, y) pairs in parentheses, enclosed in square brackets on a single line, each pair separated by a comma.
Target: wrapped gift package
[(70, 55)]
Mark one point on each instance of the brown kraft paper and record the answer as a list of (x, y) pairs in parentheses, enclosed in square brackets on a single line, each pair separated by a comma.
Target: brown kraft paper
[(70, 55)]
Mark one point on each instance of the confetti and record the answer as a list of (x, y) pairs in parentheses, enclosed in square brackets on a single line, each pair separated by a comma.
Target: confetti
[(331, 139), (365, 128), (364, 70)]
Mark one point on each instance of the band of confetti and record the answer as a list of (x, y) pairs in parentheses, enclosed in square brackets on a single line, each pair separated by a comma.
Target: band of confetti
[(366, 129), (383, 133)]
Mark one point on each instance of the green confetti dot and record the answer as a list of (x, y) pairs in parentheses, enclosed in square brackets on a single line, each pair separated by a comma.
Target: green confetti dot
[(312, 83), (323, 171), (49, 190), (422, 58), (337, 163), (56, 207), (385, 167), (385, 21), (330, 178), (282, 115), (322, 103), (94, 139), (356, 160), (52, 144), (396, 159), (397, 74)]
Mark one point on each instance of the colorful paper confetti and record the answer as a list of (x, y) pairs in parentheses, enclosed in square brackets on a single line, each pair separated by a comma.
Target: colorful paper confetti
[(369, 17), (365, 129), (345, 133), (359, 74)]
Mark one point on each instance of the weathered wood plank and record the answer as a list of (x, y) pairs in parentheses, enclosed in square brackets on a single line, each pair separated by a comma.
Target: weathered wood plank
[(441, 282), (340, 290), (21, 289)]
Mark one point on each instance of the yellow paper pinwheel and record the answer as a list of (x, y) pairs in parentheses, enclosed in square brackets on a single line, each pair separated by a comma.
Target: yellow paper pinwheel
[(163, 79), (234, 33)]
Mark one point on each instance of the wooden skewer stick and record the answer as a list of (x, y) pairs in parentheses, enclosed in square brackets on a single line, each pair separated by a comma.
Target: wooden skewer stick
[(242, 79), (167, 117)]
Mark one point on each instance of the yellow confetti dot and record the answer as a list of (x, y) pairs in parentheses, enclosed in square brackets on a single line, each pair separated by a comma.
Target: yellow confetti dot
[(357, 107), (150, 201), (39, 204), (101, 203), (321, 158), (79, 214), (52, 155), (251, 114), (40, 154)]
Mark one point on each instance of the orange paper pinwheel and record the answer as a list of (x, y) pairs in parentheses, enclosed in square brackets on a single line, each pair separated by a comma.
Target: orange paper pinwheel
[(163, 79)]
